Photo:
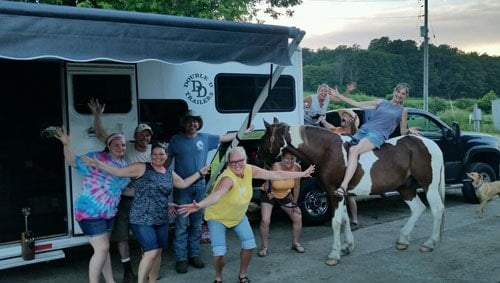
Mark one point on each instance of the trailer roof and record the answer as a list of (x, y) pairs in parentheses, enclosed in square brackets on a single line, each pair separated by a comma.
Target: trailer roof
[(32, 31)]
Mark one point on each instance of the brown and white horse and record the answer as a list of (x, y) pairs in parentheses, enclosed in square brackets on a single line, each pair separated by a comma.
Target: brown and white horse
[(403, 163)]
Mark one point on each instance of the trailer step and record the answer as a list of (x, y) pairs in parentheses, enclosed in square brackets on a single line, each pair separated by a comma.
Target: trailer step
[(39, 257)]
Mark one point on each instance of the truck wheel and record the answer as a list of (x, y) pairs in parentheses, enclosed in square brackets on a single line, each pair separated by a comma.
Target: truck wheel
[(468, 191), (314, 203)]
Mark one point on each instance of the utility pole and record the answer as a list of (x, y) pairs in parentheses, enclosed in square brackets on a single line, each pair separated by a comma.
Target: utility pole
[(424, 32)]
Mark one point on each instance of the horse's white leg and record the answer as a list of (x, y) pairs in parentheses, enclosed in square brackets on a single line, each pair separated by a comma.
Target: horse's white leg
[(437, 208), (347, 240), (417, 209), (334, 256)]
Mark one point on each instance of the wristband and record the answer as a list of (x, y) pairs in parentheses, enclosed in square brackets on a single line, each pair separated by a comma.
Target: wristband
[(201, 174)]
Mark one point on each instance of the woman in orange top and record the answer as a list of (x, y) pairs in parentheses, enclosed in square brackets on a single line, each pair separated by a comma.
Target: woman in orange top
[(285, 193)]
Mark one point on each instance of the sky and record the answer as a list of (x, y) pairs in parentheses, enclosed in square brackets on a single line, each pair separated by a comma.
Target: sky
[(468, 25)]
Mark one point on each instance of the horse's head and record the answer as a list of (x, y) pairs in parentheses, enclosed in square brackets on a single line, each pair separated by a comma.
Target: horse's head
[(274, 140)]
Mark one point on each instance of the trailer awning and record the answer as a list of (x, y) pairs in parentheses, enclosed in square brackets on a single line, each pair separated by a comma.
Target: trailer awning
[(32, 31)]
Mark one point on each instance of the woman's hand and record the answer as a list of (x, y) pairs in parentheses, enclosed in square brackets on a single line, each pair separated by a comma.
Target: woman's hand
[(62, 135), (188, 208), (334, 92), (309, 171), (95, 107), (352, 86), (414, 131), (204, 170), (250, 129), (172, 209), (90, 161)]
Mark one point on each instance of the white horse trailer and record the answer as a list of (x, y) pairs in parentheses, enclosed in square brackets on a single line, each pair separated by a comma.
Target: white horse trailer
[(146, 68)]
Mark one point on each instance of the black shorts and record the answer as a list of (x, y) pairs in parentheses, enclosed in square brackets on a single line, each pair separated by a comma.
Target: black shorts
[(286, 200)]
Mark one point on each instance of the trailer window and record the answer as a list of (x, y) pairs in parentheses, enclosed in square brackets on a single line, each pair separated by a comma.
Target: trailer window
[(237, 93), (114, 90)]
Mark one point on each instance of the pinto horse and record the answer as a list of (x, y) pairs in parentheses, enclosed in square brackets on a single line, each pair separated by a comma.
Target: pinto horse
[(404, 163)]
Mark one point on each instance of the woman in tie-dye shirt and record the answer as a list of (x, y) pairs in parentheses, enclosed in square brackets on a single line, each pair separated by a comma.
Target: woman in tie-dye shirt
[(96, 205)]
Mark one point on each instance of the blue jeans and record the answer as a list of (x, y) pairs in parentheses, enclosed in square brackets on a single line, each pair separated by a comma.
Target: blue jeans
[(188, 229), (151, 237), (218, 236), (96, 227)]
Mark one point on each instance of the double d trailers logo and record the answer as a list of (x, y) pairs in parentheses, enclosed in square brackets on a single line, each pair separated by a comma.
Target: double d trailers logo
[(199, 88)]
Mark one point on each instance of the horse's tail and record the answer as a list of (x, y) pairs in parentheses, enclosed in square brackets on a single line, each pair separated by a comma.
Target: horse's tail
[(442, 184), (438, 173)]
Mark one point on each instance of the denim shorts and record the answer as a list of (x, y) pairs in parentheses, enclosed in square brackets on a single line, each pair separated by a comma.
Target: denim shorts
[(218, 236), (373, 136), (151, 237), (96, 227)]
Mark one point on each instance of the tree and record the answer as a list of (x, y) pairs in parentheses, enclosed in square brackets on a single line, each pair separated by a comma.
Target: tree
[(230, 10)]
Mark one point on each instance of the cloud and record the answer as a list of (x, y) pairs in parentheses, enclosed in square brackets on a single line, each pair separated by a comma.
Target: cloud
[(469, 25)]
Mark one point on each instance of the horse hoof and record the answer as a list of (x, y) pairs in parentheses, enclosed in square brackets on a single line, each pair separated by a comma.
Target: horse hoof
[(401, 247), (425, 249), (332, 262)]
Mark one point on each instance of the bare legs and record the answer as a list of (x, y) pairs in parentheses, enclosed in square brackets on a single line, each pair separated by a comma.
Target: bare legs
[(100, 261), (265, 219), (219, 265), (352, 163), (149, 266), (295, 215), (245, 257)]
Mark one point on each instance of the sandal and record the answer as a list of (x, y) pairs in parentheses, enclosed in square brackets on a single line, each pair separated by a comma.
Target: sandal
[(298, 248), (262, 252), (340, 192), (244, 279), (354, 226)]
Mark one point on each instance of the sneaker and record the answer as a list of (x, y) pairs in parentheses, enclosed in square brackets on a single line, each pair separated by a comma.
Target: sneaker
[(181, 266), (196, 262)]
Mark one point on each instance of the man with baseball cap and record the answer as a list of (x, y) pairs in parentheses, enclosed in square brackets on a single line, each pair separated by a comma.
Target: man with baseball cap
[(137, 151)]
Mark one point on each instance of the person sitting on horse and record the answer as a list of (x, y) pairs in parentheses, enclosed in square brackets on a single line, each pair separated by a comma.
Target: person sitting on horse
[(374, 132), (285, 193)]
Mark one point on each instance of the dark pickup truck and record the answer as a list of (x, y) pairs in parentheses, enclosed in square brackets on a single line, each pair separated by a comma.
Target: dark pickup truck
[(462, 151)]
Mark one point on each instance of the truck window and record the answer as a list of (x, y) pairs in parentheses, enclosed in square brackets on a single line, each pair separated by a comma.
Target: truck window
[(427, 127), (237, 93)]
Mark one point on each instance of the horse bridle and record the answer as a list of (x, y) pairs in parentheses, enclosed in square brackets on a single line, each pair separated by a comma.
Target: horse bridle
[(272, 138)]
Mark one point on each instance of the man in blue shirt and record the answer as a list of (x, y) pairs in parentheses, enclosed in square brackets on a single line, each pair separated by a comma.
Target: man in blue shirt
[(189, 150)]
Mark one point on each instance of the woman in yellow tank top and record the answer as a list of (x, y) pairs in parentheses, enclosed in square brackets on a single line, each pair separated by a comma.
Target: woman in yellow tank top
[(285, 193)]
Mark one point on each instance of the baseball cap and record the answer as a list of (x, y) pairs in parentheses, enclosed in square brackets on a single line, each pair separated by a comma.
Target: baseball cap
[(142, 128)]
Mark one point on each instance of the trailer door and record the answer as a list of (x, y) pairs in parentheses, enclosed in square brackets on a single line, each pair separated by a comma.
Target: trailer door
[(113, 85)]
